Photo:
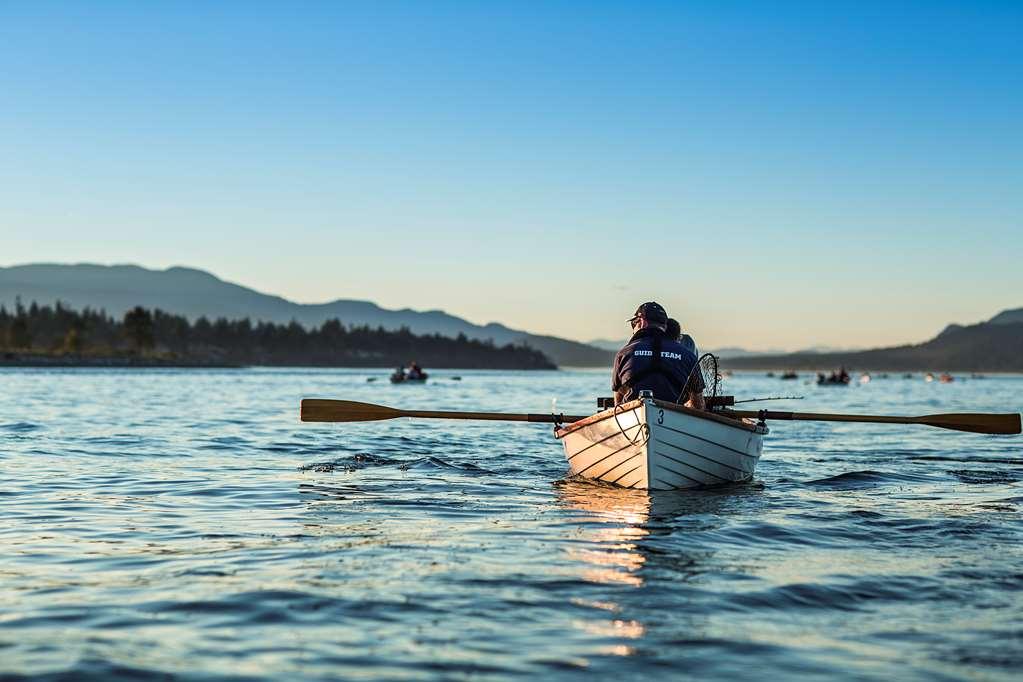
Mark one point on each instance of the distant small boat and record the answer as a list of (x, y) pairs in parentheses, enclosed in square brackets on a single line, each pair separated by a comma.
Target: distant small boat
[(928, 377), (770, 374), (406, 379), (789, 375), (907, 375), (946, 378), (864, 378), (840, 379)]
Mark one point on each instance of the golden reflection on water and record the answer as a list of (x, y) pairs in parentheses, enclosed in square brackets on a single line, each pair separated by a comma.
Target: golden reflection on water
[(613, 555), (612, 544), (630, 629)]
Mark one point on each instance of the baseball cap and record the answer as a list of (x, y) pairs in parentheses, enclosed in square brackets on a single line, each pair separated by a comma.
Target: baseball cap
[(651, 312)]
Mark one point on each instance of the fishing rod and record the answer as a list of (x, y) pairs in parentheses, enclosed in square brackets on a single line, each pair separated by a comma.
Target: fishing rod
[(778, 397)]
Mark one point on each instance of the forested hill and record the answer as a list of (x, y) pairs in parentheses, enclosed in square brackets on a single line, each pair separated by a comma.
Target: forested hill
[(194, 293), (59, 335), (993, 346)]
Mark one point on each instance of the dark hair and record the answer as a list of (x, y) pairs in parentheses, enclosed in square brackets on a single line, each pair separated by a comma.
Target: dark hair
[(674, 329)]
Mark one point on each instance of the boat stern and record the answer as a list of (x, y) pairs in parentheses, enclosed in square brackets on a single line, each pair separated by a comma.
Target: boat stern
[(610, 446)]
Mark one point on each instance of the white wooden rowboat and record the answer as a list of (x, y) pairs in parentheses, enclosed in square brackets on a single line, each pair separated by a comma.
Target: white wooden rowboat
[(657, 445)]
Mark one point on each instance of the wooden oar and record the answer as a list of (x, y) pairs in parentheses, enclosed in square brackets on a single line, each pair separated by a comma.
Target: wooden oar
[(976, 423), (319, 410)]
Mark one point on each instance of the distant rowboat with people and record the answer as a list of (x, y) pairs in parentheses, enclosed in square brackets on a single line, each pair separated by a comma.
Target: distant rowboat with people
[(414, 375), (839, 378), (397, 379)]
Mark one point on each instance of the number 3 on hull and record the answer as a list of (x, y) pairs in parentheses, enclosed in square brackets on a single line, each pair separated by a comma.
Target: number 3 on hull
[(656, 445)]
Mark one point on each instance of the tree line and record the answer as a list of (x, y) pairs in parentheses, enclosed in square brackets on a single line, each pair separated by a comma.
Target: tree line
[(162, 337)]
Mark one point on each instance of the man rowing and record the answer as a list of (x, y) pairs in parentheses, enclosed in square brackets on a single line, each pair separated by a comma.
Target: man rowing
[(654, 361)]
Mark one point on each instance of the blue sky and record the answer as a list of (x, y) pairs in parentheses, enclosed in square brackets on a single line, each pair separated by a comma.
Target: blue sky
[(777, 174)]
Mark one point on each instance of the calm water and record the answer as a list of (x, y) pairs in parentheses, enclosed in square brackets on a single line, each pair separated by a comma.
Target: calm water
[(184, 522)]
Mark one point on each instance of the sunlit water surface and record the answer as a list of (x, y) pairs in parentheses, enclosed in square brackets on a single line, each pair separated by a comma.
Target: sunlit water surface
[(186, 523)]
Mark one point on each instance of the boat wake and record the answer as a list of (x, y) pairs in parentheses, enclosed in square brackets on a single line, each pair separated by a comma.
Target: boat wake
[(366, 460), (438, 463), (350, 463), (843, 594), (851, 480), (984, 477), (20, 427)]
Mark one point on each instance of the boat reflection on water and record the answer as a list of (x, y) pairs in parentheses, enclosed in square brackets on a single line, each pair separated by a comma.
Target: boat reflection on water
[(624, 528), (634, 543), (613, 522)]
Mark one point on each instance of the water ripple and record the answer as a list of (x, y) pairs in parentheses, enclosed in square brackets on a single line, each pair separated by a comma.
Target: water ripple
[(200, 532)]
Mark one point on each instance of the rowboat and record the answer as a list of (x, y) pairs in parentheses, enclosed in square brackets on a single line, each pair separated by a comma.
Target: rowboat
[(399, 379), (656, 445)]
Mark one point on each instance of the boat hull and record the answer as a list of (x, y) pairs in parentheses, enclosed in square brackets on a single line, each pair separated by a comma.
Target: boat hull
[(654, 445), (396, 380)]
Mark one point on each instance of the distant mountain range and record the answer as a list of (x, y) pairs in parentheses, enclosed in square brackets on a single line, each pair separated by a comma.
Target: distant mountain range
[(613, 346), (195, 293), (992, 346), (724, 353), (606, 344), (1013, 316)]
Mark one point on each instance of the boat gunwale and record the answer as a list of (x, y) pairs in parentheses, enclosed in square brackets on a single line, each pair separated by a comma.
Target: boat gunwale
[(662, 404)]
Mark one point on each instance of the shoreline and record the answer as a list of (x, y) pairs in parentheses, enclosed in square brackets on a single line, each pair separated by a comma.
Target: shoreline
[(113, 363), (9, 360), (868, 369)]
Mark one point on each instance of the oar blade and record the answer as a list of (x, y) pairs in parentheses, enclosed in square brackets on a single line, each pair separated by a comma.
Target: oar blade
[(974, 423), (321, 410)]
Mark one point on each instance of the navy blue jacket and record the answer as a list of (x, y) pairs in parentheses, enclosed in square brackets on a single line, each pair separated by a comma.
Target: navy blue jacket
[(650, 361)]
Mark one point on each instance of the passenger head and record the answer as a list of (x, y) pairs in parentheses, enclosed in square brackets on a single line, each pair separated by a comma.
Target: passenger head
[(673, 330), (649, 314)]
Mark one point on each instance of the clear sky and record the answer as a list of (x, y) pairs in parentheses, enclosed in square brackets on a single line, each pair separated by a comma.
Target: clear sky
[(777, 174)]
